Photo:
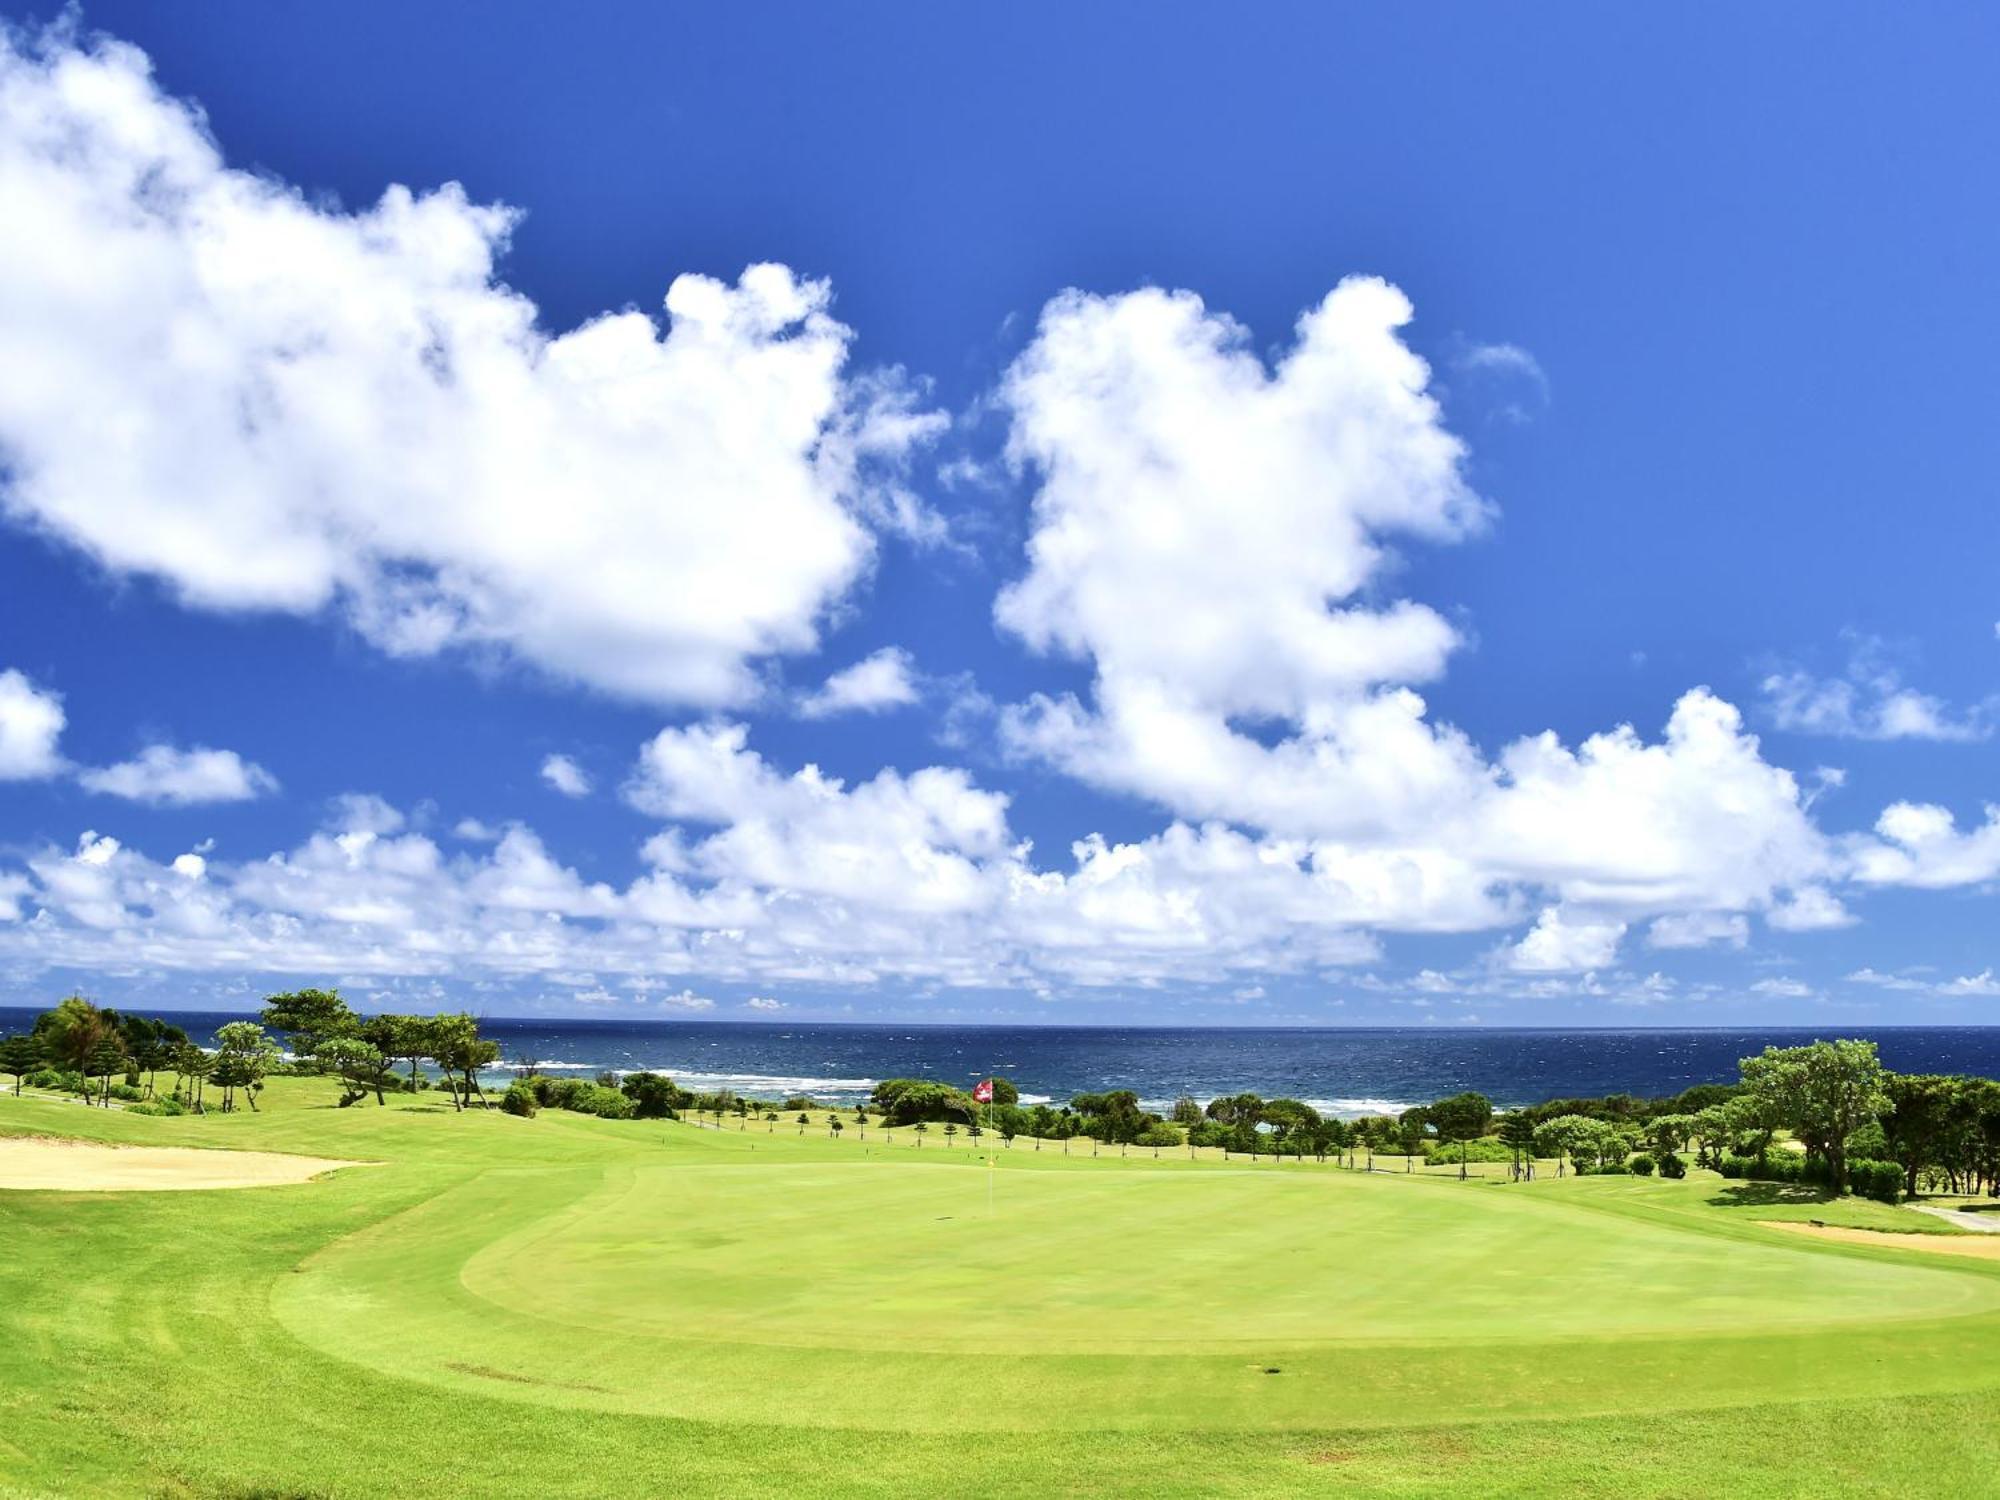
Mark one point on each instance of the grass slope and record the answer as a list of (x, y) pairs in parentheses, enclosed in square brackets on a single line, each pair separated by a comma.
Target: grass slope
[(566, 1304)]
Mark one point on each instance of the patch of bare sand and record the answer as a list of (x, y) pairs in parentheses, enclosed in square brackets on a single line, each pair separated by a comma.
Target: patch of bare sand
[(1978, 1246), (51, 1163)]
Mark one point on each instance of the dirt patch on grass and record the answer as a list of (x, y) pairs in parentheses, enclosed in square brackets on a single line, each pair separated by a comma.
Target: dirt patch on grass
[(1979, 1247), (48, 1163), (487, 1372)]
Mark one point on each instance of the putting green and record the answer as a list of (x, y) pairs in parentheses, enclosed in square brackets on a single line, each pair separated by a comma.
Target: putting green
[(693, 1285)]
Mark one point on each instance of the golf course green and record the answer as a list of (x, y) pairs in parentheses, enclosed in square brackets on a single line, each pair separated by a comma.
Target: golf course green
[(571, 1305)]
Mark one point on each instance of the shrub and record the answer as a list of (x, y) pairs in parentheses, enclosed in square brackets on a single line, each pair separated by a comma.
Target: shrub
[(1671, 1166), (1641, 1164), (1604, 1169), (520, 1099), (653, 1097), (608, 1104), (1880, 1180), (1157, 1135), (158, 1107), (127, 1092), (1486, 1148)]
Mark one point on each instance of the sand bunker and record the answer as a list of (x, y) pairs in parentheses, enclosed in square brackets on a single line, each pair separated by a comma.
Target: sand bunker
[(86, 1167), (1978, 1246)]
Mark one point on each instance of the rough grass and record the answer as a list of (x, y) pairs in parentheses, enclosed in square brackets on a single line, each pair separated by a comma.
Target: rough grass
[(566, 1305)]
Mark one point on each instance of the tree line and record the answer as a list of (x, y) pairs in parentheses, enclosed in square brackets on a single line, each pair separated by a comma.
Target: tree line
[(1857, 1125), (82, 1047)]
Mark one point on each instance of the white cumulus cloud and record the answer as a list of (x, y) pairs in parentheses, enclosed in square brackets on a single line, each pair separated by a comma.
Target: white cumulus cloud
[(31, 726), (566, 776), (1561, 943), (270, 403), (884, 680), (1869, 702), (165, 776)]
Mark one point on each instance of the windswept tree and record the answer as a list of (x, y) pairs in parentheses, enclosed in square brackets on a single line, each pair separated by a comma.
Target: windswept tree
[(361, 1067), (1825, 1092), (403, 1038), (453, 1042), (244, 1054), (309, 1017)]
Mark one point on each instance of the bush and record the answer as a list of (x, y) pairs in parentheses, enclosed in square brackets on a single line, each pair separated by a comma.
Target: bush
[(1641, 1164), (1605, 1169), (1880, 1180), (158, 1107), (520, 1099), (653, 1097), (127, 1092), (1487, 1148), (1671, 1166)]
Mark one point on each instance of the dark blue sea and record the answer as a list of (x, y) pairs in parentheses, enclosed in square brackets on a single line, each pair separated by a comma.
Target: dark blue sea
[(1346, 1071)]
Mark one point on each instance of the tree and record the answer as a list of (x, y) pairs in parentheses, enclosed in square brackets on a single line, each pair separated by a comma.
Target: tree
[(1462, 1117), (106, 1058), (1825, 1092), (194, 1065), (1924, 1114), (1232, 1108), (861, 1121), (902, 1101), (1517, 1134), (453, 1042), (834, 1127), (654, 1096), (1568, 1136), (804, 1120), (950, 1130), (404, 1038), (19, 1056), (72, 1031), (921, 1128), (310, 1017), (243, 1055), (360, 1066)]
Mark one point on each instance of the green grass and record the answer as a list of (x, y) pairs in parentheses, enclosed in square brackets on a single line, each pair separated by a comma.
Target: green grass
[(567, 1305)]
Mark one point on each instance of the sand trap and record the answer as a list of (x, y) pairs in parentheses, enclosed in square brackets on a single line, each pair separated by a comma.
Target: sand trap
[(1980, 1247), (47, 1162)]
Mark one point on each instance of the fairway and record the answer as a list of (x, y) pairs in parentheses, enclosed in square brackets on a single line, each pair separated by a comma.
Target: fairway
[(661, 1305)]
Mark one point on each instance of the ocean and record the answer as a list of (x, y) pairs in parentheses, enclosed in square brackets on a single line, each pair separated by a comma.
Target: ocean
[(1346, 1071)]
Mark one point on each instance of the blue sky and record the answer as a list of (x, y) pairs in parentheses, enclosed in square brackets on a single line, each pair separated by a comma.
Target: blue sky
[(1644, 380)]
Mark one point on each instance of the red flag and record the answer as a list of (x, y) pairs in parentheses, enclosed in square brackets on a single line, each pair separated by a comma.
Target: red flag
[(982, 1091)]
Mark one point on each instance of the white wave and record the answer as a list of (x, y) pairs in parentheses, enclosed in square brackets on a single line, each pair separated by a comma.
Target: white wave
[(758, 1083), (1353, 1109)]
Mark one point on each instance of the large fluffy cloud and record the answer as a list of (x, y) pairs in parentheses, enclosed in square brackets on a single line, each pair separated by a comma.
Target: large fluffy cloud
[(1211, 535), (271, 404)]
